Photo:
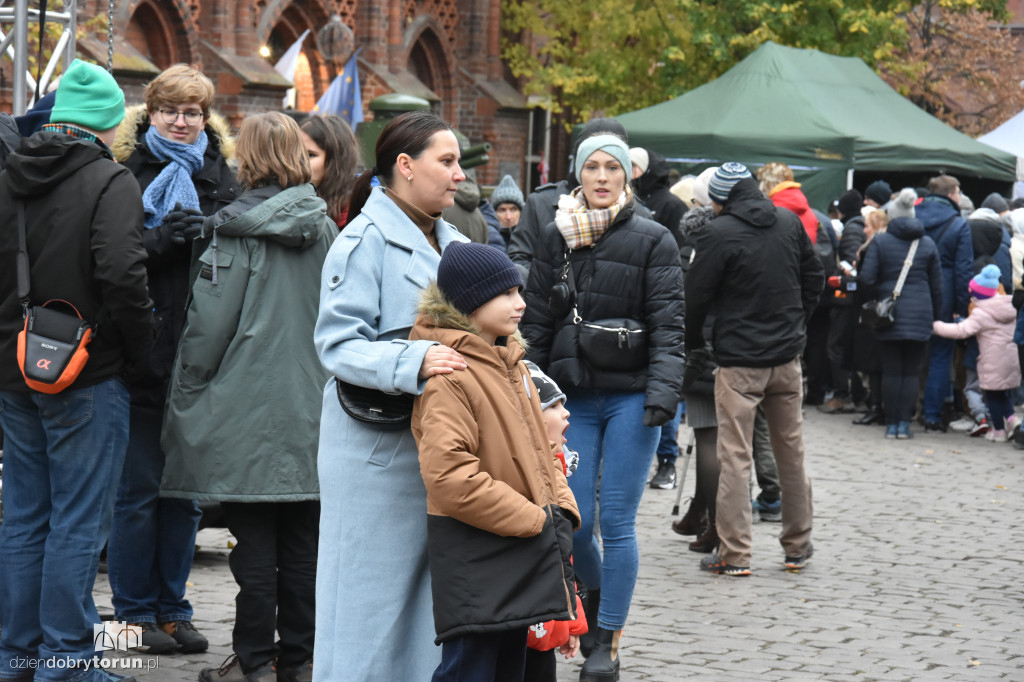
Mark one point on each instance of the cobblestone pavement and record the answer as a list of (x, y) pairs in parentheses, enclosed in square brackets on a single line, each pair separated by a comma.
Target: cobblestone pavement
[(916, 576)]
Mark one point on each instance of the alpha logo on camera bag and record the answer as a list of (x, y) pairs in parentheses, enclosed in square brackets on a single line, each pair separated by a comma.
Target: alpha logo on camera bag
[(51, 347)]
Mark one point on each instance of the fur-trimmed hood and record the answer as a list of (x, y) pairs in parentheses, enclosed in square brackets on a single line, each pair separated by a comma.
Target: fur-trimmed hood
[(136, 122), (437, 312)]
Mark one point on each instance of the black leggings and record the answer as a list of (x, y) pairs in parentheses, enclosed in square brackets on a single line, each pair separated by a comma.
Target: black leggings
[(901, 363)]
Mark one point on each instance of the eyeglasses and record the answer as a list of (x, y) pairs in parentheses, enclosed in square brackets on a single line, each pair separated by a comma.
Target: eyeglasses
[(170, 116)]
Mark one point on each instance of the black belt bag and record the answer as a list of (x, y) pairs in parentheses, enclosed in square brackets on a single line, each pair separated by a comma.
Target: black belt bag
[(387, 411), (616, 345)]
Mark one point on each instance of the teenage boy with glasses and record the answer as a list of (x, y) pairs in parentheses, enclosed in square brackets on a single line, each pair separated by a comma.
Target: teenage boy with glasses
[(178, 151)]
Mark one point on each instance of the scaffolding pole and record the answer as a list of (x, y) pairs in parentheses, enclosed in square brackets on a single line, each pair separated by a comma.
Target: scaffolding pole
[(14, 22)]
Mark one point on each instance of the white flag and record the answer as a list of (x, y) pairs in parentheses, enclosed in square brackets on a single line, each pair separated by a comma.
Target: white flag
[(286, 66)]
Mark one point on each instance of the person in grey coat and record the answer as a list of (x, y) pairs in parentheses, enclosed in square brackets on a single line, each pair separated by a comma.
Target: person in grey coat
[(374, 612), (241, 422)]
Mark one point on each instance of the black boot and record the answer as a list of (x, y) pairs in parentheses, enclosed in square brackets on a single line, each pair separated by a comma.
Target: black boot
[(707, 542), (591, 603), (872, 416), (694, 521), (603, 663)]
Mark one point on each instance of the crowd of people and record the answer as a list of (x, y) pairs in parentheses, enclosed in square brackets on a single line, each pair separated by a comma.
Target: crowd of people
[(373, 376)]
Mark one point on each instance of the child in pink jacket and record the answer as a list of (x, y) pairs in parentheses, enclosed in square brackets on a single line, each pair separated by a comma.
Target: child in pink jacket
[(992, 318)]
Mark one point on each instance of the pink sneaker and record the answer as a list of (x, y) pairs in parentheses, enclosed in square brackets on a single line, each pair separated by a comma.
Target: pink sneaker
[(1012, 425), (996, 436)]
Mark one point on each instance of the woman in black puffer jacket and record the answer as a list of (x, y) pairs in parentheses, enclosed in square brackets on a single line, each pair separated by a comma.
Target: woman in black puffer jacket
[(622, 271), (902, 346)]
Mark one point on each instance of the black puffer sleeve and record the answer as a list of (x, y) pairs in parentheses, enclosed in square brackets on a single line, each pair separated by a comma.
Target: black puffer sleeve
[(538, 326), (664, 310)]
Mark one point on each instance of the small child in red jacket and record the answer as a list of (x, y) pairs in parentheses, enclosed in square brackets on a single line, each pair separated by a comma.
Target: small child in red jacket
[(554, 634)]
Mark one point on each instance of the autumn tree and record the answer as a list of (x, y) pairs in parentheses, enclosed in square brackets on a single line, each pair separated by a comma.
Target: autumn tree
[(960, 66), (604, 57), (600, 56)]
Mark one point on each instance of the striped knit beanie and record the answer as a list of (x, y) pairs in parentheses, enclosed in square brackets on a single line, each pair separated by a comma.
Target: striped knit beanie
[(986, 283), (472, 274), (724, 179)]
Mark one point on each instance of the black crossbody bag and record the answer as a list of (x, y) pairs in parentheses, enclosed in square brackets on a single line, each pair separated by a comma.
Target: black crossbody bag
[(52, 345), (387, 411)]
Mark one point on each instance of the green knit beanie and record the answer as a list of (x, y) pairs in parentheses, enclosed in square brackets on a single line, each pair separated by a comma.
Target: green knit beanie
[(88, 96)]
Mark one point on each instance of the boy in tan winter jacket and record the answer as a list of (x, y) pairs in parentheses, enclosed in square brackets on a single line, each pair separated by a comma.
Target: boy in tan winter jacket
[(500, 512)]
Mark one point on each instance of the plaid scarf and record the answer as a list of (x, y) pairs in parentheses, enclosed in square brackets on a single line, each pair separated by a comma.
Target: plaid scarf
[(582, 226), (75, 131)]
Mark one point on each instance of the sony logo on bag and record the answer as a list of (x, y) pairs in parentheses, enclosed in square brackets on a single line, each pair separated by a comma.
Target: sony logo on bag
[(48, 346)]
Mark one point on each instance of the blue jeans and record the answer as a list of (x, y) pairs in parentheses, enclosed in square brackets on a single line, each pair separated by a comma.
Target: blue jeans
[(62, 459), (152, 540), (609, 426), (937, 388), (668, 446)]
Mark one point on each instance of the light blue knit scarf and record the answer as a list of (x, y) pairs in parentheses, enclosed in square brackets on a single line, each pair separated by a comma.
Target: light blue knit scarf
[(174, 183)]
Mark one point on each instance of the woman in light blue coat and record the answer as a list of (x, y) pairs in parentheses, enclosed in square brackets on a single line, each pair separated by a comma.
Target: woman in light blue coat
[(374, 618)]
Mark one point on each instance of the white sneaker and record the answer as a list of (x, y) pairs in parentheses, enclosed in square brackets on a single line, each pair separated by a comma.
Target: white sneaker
[(965, 424)]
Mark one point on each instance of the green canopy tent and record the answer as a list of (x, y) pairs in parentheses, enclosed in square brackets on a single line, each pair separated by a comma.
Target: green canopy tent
[(823, 115)]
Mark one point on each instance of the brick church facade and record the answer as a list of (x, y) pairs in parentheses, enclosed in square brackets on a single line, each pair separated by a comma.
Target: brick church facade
[(447, 51)]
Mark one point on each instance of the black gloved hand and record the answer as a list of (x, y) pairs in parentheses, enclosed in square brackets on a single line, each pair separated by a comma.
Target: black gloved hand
[(1018, 298), (655, 416), (185, 224), (696, 362)]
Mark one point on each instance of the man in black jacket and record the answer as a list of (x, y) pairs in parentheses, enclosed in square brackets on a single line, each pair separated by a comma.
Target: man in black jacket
[(64, 452), (756, 266)]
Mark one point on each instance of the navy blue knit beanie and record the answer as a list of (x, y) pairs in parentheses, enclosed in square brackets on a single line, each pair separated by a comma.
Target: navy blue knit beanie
[(472, 274)]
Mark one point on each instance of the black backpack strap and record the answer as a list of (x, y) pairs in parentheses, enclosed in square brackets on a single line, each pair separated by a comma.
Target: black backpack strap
[(942, 232), (24, 280)]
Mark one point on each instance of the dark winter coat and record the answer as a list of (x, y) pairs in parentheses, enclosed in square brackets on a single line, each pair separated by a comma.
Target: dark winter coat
[(537, 213), (852, 239), (499, 541), (632, 271), (10, 138), (920, 302), (652, 188), (956, 253), (242, 419), (83, 216), (991, 244), (168, 265), (757, 270)]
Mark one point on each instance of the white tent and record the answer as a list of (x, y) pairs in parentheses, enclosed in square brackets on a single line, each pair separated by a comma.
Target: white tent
[(1009, 137)]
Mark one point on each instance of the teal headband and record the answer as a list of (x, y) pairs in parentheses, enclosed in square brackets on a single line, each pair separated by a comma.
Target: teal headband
[(610, 144)]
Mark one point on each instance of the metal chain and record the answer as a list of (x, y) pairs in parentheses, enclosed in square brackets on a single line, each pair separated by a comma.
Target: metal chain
[(110, 36)]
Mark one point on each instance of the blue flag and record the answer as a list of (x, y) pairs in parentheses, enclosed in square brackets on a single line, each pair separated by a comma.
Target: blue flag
[(344, 97)]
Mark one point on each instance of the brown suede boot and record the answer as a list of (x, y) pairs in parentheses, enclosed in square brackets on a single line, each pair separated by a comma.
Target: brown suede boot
[(694, 520), (707, 542)]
